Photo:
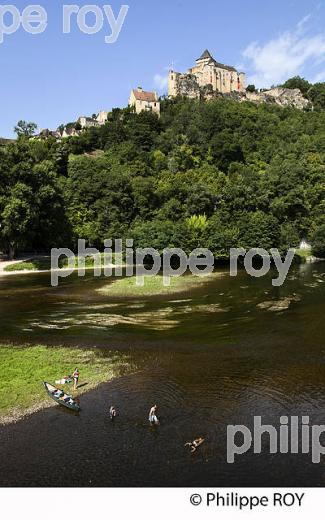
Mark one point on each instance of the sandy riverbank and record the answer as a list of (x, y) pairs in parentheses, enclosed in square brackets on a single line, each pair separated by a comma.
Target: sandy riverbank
[(9, 263)]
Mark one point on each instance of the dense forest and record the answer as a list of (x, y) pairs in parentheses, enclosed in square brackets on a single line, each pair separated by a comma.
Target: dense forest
[(215, 174)]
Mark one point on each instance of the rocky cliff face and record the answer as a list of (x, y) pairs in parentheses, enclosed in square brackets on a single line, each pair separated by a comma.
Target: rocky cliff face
[(284, 97), (187, 86)]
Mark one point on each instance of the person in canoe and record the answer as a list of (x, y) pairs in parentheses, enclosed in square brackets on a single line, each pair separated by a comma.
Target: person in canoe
[(194, 445), (112, 413), (75, 377), (153, 419)]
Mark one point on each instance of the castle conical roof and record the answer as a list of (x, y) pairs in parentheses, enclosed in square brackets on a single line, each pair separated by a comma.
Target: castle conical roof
[(205, 55)]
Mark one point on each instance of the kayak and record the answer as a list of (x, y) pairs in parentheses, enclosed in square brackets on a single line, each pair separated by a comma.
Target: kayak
[(61, 398)]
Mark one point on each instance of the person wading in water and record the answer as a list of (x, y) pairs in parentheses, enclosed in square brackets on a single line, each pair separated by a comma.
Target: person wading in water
[(153, 419), (112, 413)]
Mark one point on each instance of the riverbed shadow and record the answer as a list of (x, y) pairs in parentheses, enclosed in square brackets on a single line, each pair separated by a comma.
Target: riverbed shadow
[(66, 411), (82, 386)]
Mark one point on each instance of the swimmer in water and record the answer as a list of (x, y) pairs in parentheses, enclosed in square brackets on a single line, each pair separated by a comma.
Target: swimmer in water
[(194, 445)]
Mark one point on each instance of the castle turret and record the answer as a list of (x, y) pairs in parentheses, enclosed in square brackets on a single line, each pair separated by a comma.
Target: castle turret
[(242, 81), (172, 83), (204, 58)]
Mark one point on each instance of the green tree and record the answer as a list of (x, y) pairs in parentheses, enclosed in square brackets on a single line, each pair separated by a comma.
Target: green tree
[(316, 94), (318, 244), (17, 218), (25, 129), (297, 82)]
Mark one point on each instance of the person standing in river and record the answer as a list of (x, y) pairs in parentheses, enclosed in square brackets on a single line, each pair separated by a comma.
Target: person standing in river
[(112, 413), (75, 376), (153, 419)]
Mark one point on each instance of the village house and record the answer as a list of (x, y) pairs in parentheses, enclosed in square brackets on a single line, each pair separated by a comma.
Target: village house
[(46, 134), (69, 132), (102, 117), (88, 122), (207, 72), (74, 129), (144, 101)]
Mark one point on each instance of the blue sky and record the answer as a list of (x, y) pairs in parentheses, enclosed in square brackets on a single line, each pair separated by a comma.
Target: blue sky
[(53, 78)]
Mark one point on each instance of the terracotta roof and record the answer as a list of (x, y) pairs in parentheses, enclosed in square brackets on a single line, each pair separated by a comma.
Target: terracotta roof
[(141, 95)]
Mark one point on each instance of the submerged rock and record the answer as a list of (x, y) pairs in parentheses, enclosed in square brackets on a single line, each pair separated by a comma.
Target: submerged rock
[(279, 305)]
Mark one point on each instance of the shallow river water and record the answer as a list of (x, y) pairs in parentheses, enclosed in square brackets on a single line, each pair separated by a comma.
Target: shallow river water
[(221, 354)]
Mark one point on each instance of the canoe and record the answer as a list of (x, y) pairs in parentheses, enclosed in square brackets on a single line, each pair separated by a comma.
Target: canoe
[(62, 399)]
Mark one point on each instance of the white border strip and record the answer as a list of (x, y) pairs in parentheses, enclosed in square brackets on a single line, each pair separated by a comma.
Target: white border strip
[(86, 504)]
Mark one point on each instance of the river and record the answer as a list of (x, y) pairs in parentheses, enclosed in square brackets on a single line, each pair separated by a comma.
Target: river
[(217, 355)]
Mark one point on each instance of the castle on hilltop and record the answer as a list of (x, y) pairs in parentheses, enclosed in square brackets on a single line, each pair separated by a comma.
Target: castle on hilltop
[(203, 81), (207, 73)]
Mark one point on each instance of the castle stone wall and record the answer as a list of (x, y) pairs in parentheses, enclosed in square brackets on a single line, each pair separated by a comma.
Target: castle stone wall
[(222, 78)]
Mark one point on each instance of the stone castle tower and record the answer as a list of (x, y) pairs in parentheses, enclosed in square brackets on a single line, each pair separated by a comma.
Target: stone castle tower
[(207, 72)]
